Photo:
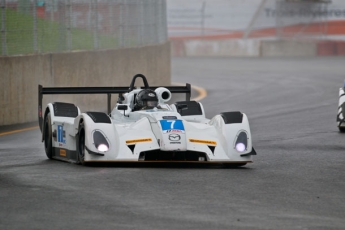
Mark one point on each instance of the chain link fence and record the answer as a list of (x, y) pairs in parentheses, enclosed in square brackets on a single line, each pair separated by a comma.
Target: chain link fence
[(45, 26)]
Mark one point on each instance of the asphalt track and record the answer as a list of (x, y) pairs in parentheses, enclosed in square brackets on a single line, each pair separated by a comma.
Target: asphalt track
[(297, 180)]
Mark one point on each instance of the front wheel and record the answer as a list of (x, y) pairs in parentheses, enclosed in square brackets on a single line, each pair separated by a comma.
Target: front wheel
[(81, 144), (48, 145)]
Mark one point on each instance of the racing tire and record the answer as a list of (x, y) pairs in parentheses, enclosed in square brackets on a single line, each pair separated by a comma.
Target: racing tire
[(48, 142), (232, 165), (81, 144), (341, 129)]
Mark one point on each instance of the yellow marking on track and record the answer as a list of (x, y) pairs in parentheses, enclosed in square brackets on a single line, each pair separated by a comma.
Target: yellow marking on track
[(18, 131), (202, 92), (138, 141), (203, 142)]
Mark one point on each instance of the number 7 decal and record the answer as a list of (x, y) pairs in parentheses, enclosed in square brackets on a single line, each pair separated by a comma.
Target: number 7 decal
[(172, 124)]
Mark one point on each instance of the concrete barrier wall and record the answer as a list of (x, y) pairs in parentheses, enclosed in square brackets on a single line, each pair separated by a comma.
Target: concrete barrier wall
[(21, 75), (223, 48), (255, 48), (288, 49), (215, 48)]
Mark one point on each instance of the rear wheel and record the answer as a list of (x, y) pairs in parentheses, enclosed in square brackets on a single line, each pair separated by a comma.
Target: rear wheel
[(81, 144), (48, 146)]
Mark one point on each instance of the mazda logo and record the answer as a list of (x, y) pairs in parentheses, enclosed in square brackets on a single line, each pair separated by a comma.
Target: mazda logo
[(174, 137)]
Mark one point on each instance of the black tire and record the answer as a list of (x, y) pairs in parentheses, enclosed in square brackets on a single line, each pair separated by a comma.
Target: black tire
[(81, 144), (48, 142), (341, 129), (234, 165)]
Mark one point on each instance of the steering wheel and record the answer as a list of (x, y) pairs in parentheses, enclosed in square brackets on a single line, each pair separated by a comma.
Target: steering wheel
[(146, 85)]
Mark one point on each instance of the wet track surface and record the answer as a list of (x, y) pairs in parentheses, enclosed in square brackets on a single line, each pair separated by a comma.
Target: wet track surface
[(297, 181)]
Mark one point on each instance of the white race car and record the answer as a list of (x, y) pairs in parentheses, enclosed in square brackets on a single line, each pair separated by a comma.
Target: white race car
[(143, 128), (341, 110)]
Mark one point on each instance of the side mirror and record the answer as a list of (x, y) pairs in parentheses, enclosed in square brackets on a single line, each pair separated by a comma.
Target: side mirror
[(182, 106), (122, 107)]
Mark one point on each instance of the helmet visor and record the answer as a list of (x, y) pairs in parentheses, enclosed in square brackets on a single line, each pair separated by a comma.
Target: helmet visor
[(152, 104)]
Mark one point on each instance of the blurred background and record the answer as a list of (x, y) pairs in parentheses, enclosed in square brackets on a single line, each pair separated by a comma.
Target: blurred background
[(257, 27), (194, 27)]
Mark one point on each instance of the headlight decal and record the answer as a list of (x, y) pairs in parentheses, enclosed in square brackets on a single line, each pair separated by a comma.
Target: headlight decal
[(100, 141), (241, 143)]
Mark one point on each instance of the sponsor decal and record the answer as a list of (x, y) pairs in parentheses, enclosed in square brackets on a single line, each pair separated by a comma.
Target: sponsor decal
[(302, 12), (203, 142), (175, 143), (174, 137), (170, 125), (174, 131), (61, 135), (151, 95), (63, 153), (129, 142)]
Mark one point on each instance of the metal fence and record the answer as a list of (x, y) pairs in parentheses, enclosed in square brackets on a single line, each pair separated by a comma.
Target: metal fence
[(45, 26)]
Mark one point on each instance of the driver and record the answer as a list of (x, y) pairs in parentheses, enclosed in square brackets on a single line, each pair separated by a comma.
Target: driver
[(146, 99)]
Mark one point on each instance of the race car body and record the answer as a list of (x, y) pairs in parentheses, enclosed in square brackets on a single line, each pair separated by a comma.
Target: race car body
[(341, 110), (142, 127)]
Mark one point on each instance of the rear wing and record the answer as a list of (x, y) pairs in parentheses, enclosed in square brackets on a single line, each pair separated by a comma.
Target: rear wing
[(99, 90)]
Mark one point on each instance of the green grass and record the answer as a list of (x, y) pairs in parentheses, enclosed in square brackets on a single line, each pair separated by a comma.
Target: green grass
[(51, 36)]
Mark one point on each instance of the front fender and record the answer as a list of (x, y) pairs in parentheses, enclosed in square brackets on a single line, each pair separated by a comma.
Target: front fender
[(230, 129), (106, 128)]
